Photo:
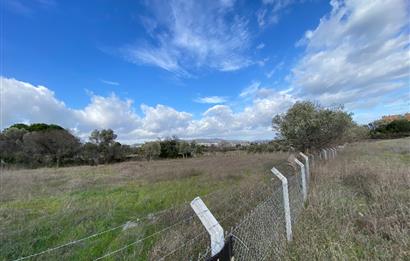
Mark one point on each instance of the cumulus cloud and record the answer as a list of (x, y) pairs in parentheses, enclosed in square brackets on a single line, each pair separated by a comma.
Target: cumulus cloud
[(193, 34), (358, 51), (163, 119), (252, 122), (24, 102)]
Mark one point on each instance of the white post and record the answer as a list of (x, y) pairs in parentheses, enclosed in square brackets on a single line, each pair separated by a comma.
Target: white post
[(324, 153), (211, 225), (285, 202), (307, 165), (329, 153), (303, 176)]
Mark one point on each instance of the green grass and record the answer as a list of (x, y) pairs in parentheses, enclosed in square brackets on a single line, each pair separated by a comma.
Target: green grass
[(83, 212), (48, 207)]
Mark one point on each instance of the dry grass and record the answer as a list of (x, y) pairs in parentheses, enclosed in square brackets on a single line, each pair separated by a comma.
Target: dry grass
[(46, 207), (359, 206), (29, 183)]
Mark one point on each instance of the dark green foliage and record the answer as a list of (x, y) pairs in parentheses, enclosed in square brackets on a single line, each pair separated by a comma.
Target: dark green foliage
[(36, 127), (38, 145), (394, 129), (42, 144), (103, 148), (169, 148)]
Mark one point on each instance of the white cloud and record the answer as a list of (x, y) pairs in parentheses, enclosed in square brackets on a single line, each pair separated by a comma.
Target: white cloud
[(260, 46), (24, 102), (190, 35), (211, 99), (271, 10), (275, 69), (164, 120), (250, 90), (359, 51), (110, 82)]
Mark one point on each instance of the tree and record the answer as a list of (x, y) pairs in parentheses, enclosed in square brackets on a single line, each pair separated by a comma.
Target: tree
[(169, 148), (396, 128), (51, 146), (356, 133), (307, 126), (105, 137), (109, 150), (151, 149), (184, 149), (90, 153)]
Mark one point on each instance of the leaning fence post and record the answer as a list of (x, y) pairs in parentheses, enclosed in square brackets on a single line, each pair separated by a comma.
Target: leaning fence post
[(303, 175), (211, 225), (307, 165), (285, 202)]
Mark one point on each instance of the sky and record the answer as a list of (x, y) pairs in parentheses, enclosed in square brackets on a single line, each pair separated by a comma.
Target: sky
[(199, 69)]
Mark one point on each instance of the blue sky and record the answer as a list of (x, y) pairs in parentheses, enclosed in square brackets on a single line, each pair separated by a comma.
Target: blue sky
[(223, 68)]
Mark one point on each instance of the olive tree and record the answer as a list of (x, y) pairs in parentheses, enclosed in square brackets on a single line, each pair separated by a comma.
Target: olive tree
[(151, 149), (184, 149), (307, 126)]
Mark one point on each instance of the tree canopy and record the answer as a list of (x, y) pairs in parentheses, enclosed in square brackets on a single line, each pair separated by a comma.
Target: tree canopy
[(307, 126)]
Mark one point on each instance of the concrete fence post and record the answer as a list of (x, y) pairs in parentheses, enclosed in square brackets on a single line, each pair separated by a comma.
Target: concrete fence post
[(286, 206), (329, 153), (324, 154), (211, 225), (307, 165), (303, 176)]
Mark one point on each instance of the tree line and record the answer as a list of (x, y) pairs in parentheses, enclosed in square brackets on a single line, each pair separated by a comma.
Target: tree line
[(42, 144), (386, 129), (306, 126)]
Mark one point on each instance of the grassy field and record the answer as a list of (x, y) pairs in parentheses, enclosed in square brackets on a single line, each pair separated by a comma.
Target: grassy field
[(359, 206), (46, 207)]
